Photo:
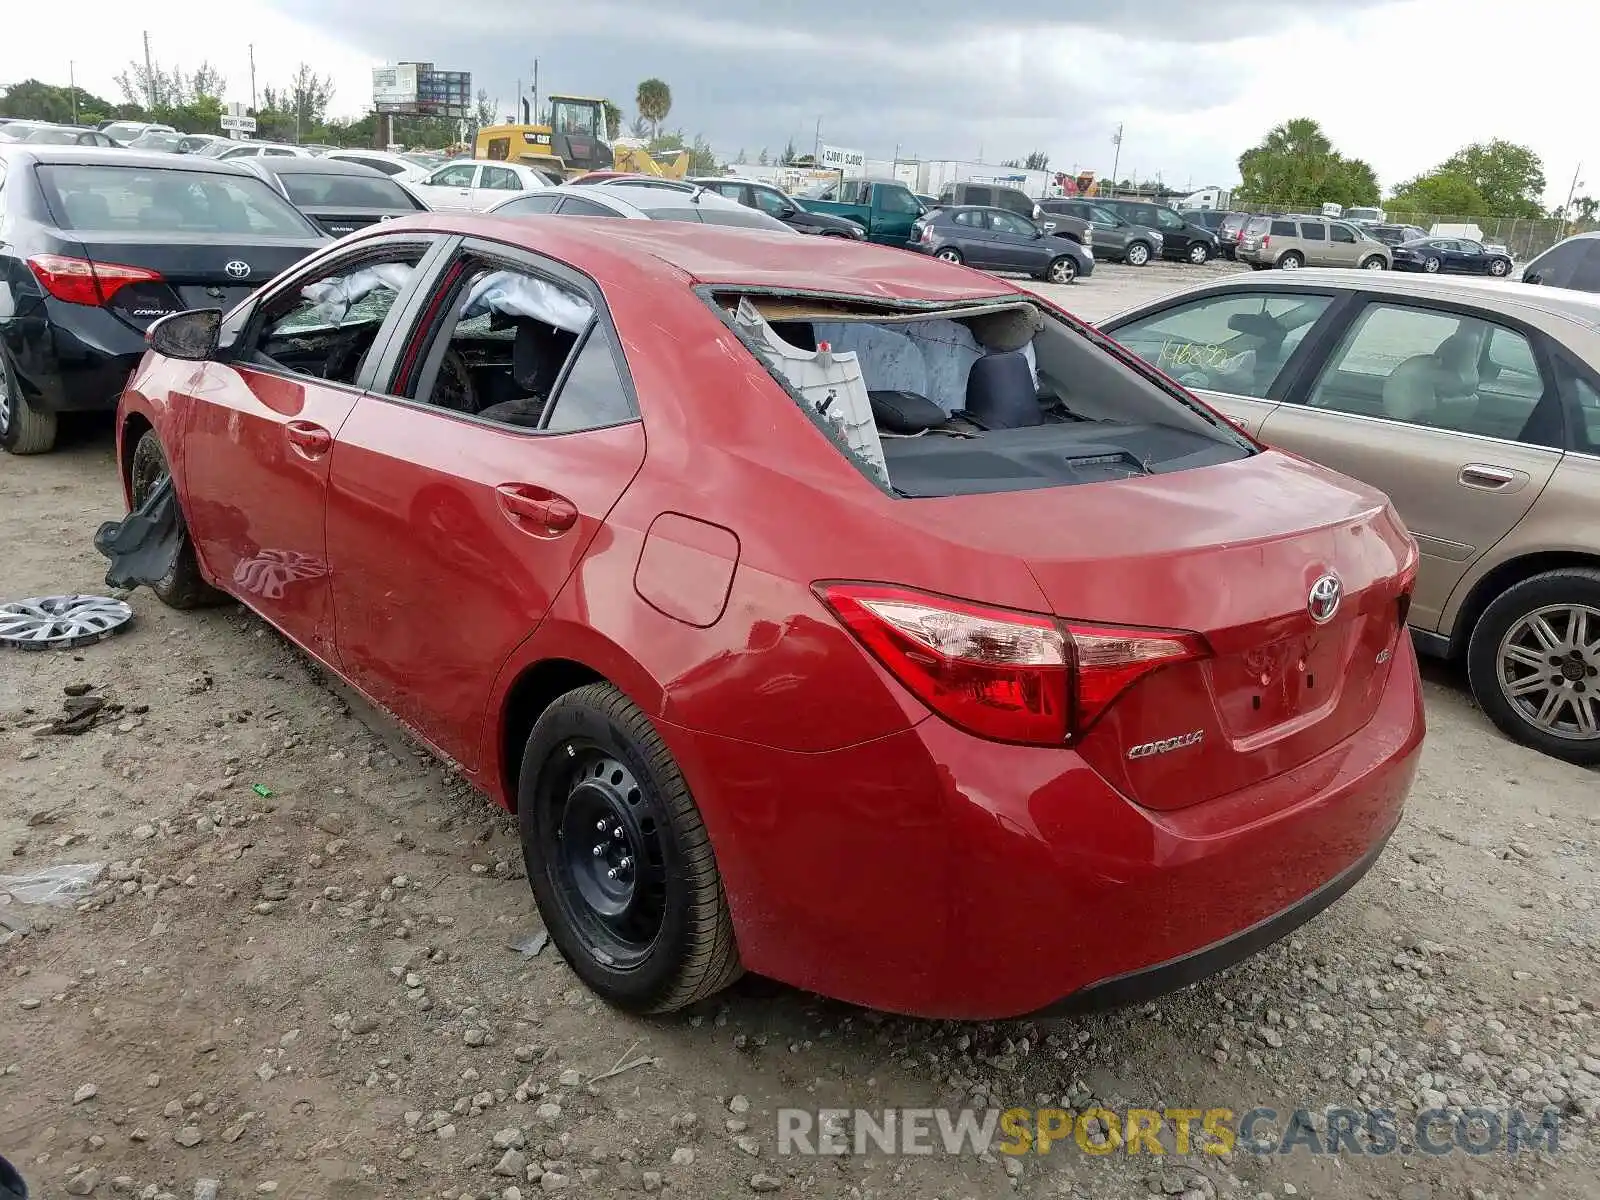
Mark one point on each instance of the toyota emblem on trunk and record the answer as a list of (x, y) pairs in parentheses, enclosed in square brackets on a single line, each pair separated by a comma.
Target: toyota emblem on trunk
[(1324, 599), (237, 269)]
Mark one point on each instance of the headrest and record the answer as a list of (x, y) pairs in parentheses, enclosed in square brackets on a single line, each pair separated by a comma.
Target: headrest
[(537, 355), (1001, 393)]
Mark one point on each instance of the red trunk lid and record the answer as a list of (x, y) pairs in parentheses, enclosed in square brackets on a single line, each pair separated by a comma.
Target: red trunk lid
[(1230, 552)]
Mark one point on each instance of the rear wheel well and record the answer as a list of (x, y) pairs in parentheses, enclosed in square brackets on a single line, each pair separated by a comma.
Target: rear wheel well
[(1507, 575), (535, 690)]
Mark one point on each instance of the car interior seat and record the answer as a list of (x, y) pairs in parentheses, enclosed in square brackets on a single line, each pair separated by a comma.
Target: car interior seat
[(1420, 385), (538, 352), (88, 210), (1001, 393)]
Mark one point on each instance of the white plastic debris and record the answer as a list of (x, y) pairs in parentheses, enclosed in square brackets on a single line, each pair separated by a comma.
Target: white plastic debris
[(514, 295), (59, 886), (830, 381)]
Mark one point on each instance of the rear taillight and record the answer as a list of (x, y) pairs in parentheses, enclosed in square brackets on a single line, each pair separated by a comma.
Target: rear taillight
[(998, 673), (80, 281), (1266, 240), (927, 235)]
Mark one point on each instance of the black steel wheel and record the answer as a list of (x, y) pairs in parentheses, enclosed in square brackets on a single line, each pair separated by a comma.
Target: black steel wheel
[(182, 586), (618, 858)]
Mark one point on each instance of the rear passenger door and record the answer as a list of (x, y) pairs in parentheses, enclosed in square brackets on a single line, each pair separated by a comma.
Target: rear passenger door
[(1463, 441), (467, 486), (1344, 248), (493, 185), (1234, 349)]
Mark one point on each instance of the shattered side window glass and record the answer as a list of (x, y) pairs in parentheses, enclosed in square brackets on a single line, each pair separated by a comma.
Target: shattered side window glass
[(362, 297)]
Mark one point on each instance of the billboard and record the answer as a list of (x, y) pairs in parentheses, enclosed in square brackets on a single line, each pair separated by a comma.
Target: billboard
[(417, 89)]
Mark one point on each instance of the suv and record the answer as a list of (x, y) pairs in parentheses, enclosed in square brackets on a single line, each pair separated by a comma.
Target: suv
[(1180, 239), (1110, 236), (989, 195), (1293, 242)]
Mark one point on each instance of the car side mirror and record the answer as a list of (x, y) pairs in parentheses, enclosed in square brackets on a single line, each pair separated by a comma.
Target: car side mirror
[(788, 210), (191, 336), (1534, 278)]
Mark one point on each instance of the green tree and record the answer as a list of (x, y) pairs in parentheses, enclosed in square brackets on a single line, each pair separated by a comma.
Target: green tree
[(1037, 160), (35, 100), (1296, 164), (1509, 177), (788, 153), (613, 121), (654, 101), (762, 158), (1438, 192)]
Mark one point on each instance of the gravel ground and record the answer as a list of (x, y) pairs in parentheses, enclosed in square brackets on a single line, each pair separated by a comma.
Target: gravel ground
[(295, 976)]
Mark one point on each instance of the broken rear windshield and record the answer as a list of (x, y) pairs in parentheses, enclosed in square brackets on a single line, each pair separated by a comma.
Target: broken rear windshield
[(982, 397)]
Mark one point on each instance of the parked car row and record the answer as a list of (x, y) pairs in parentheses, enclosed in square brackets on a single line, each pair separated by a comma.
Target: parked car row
[(1288, 241)]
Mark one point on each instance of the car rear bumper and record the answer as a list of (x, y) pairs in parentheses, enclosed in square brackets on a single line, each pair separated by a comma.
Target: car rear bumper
[(934, 873), (72, 358)]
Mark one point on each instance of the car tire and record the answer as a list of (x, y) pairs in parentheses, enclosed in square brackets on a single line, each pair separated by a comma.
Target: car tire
[(1137, 254), (1499, 268), (24, 429), (1374, 262), (183, 586), (642, 918), (1198, 254), (1291, 260), (950, 255), (1506, 649), (1062, 270), (1431, 265)]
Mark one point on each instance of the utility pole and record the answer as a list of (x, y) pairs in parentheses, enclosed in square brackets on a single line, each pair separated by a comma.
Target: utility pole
[(149, 73), (72, 86), (252, 77), (520, 116), (1566, 211), (1116, 159), (816, 152), (535, 116)]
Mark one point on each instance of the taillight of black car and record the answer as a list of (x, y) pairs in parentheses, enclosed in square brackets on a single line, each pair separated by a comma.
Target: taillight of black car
[(80, 281)]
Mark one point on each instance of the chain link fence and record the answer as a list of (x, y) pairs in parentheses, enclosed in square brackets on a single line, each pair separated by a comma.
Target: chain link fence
[(1520, 235)]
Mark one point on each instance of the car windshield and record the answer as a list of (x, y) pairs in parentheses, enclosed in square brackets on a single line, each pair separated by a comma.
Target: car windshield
[(123, 131), (347, 191), (156, 141), (111, 199)]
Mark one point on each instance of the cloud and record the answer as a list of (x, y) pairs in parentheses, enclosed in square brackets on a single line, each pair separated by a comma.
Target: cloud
[(927, 80)]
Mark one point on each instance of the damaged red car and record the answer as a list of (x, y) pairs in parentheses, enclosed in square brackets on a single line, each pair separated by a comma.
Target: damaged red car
[(822, 611)]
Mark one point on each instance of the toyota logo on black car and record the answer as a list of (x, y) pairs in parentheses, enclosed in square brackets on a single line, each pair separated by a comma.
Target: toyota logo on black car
[(237, 269)]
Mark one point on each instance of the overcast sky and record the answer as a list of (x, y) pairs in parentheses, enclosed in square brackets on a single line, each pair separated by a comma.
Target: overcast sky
[(1192, 83)]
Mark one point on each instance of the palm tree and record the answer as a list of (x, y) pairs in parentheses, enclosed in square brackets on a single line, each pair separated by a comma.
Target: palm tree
[(654, 102)]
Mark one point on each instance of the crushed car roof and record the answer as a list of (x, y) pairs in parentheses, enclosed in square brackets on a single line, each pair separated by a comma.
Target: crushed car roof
[(611, 251)]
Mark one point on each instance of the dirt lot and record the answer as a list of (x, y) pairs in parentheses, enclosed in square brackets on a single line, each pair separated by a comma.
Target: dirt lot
[(295, 976)]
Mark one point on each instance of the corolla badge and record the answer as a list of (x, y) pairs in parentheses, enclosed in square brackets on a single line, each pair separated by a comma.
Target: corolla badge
[(1167, 745), (1323, 602), (237, 269)]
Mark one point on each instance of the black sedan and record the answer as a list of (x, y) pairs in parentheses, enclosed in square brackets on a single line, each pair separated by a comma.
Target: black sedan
[(339, 197), (763, 197), (97, 244), (998, 240), (1394, 235), (1435, 255)]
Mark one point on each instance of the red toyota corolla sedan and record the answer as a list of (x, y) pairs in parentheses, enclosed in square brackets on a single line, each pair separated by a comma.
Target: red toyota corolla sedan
[(822, 610)]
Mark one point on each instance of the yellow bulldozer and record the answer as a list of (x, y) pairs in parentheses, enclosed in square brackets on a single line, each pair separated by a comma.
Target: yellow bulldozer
[(573, 143)]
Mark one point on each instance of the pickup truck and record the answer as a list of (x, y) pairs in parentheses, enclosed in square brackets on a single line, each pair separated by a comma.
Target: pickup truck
[(885, 208)]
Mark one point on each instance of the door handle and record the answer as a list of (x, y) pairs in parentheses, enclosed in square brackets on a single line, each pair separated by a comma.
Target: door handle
[(1486, 477), (313, 441), (544, 510)]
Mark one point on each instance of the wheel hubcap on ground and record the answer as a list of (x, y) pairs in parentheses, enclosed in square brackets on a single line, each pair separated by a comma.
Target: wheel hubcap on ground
[(1549, 669), (609, 864)]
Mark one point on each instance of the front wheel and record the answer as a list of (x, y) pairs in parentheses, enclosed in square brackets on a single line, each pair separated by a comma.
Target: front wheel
[(1292, 261), (949, 254), (182, 586), (1374, 263), (618, 858), (1431, 265), (23, 428), (1534, 663), (1499, 266), (1062, 270), (1137, 254), (1199, 254)]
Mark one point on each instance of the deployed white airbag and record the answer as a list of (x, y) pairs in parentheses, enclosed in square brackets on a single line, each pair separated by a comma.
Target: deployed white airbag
[(515, 295), (336, 297), (931, 358)]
